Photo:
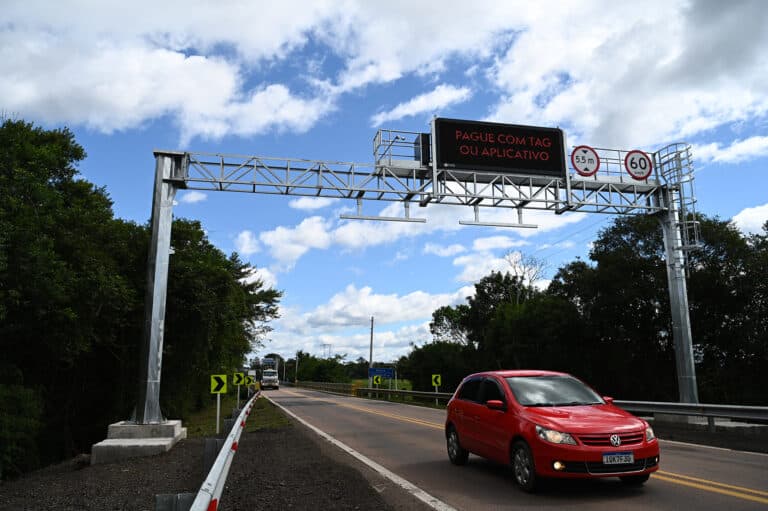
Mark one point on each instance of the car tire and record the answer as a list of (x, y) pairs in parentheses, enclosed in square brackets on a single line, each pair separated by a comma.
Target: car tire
[(456, 453), (635, 480), (523, 468)]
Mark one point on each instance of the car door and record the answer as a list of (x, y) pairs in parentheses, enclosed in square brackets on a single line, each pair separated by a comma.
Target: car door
[(491, 426), (464, 409)]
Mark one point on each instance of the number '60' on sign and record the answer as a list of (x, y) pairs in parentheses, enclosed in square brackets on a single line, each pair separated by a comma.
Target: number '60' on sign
[(638, 164)]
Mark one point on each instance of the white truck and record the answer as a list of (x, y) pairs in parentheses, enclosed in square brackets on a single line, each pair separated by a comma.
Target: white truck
[(269, 379)]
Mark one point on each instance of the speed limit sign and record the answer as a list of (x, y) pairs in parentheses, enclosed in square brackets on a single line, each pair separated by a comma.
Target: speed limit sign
[(638, 164)]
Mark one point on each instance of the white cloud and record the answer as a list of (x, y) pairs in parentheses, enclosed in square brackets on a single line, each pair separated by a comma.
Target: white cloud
[(627, 81), (496, 242), (287, 245), (751, 220), (633, 81), (479, 264), (739, 151), (561, 245), (388, 344), (311, 203), (192, 197), (267, 278), (443, 251), (246, 243), (431, 102), (354, 307)]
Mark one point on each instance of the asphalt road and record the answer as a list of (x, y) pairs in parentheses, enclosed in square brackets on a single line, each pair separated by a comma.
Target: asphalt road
[(409, 441)]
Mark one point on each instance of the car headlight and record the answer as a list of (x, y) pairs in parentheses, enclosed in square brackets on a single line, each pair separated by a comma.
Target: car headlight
[(555, 437), (649, 434)]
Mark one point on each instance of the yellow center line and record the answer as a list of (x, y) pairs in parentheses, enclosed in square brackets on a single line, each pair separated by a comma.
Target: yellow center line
[(705, 487), (670, 477), (413, 420), (708, 482)]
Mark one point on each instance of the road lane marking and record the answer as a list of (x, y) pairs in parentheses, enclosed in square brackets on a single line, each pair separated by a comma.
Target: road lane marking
[(403, 418), (670, 477), (714, 489), (414, 490)]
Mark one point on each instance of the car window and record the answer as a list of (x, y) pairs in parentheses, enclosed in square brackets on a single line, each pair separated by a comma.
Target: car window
[(552, 391), (470, 390), (491, 391)]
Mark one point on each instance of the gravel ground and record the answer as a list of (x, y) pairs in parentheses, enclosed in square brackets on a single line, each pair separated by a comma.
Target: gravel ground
[(274, 469)]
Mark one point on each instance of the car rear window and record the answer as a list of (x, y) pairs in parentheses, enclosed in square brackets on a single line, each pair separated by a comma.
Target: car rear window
[(552, 391)]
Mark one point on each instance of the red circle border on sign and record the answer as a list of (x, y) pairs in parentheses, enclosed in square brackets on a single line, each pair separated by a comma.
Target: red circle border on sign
[(585, 174), (645, 155)]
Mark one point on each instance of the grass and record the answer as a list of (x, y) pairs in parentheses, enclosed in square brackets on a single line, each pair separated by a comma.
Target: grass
[(263, 415), (401, 384)]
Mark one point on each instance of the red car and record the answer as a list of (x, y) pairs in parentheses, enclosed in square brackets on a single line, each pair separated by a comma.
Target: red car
[(547, 424)]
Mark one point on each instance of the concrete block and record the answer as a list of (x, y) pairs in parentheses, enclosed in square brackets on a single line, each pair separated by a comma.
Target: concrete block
[(127, 440), (125, 429)]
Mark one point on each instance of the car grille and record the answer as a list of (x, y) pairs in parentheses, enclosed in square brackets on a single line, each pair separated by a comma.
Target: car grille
[(596, 467), (604, 440)]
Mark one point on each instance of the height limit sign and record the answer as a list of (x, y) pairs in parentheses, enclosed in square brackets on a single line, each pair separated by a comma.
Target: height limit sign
[(585, 160)]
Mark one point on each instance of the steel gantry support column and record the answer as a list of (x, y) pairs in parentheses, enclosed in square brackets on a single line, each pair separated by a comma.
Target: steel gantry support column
[(167, 165), (678, 301)]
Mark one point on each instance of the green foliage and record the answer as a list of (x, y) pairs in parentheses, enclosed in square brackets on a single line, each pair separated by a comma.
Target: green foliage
[(450, 360), (20, 423), (316, 369), (72, 286), (608, 321)]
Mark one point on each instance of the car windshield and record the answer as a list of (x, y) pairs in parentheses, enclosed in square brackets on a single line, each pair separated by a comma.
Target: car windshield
[(552, 391), (270, 372)]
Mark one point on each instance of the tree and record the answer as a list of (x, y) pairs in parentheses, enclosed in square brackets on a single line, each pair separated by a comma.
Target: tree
[(527, 269), (450, 324), (72, 282)]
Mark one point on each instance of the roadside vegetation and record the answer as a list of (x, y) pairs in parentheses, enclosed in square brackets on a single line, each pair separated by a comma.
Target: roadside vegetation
[(264, 415), (72, 284)]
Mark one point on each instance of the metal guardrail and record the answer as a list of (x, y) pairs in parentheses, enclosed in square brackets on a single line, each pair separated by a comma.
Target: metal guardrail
[(210, 492), (738, 412), (368, 392), (335, 388), (756, 413)]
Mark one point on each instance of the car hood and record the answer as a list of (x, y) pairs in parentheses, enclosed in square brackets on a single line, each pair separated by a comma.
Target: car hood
[(584, 419)]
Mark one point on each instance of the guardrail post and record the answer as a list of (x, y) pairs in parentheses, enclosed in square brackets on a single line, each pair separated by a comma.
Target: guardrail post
[(210, 451), (174, 501)]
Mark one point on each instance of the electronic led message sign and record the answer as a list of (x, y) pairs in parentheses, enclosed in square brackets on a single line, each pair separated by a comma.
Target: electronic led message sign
[(499, 147)]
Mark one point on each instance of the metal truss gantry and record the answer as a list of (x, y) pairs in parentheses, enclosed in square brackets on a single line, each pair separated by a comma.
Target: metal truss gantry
[(399, 175)]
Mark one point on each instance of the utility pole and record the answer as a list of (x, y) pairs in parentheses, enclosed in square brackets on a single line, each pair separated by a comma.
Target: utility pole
[(370, 357)]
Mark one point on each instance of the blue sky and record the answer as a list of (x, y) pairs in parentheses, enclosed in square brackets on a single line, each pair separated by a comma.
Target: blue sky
[(316, 79)]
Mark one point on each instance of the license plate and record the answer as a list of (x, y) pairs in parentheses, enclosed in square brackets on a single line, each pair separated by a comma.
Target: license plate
[(618, 458)]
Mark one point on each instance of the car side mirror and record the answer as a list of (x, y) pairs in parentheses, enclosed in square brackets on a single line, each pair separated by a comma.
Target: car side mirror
[(495, 404), (608, 400)]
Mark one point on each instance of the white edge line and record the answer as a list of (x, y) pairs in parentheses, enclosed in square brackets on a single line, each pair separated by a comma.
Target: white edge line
[(414, 490)]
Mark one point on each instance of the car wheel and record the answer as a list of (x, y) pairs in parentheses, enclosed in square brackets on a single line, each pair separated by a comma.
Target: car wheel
[(635, 480), (523, 467), (456, 453)]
